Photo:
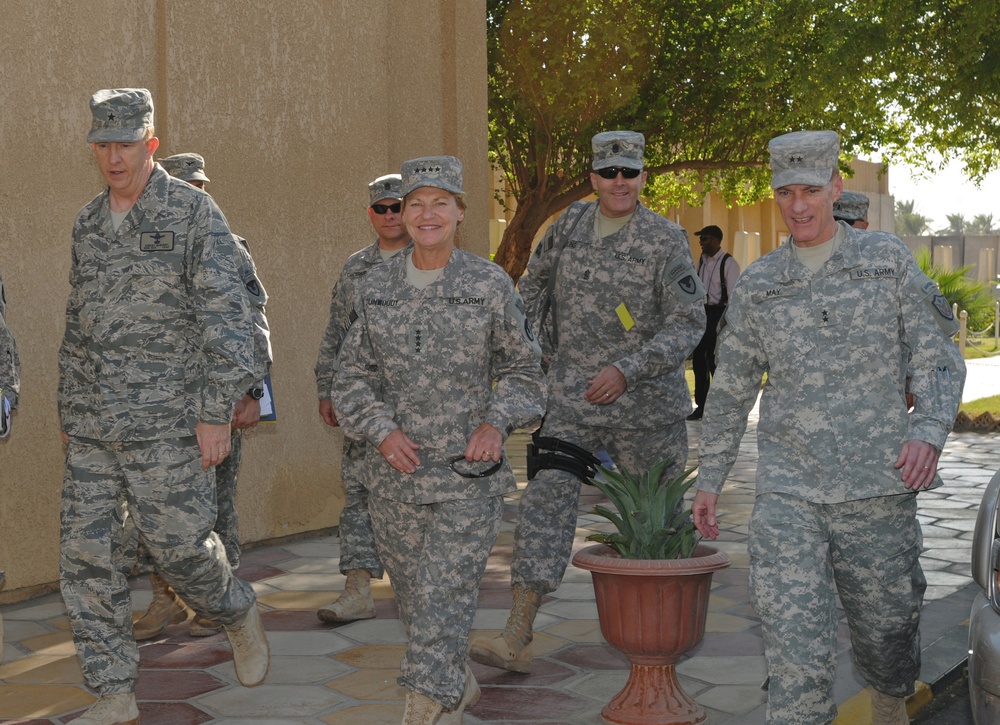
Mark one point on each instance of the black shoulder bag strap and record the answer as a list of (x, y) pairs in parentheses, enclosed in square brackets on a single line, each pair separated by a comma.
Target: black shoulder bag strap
[(558, 243)]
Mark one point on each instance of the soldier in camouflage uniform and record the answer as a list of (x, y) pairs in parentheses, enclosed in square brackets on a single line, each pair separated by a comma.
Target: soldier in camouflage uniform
[(10, 386), (157, 350), (438, 369), (837, 318), (167, 607), (613, 290), (852, 207), (359, 560)]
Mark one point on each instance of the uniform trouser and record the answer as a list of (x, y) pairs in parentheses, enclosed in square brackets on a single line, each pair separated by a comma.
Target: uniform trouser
[(802, 555), (227, 520), (546, 519), (225, 497), (436, 555), (703, 357), (357, 540), (172, 503)]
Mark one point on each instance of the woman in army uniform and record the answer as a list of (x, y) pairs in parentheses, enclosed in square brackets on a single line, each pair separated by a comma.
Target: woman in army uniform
[(437, 370)]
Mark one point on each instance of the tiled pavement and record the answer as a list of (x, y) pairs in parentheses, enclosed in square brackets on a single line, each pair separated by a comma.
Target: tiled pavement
[(345, 675)]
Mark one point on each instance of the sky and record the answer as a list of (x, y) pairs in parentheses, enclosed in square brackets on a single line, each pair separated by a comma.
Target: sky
[(946, 192)]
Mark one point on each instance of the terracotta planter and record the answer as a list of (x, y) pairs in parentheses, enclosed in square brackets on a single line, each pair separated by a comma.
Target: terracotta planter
[(653, 611)]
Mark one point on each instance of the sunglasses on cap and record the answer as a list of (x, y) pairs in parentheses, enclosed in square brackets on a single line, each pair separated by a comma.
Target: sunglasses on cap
[(383, 208), (611, 172)]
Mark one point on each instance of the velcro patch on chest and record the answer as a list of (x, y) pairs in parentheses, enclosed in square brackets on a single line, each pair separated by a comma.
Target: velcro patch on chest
[(156, 241)]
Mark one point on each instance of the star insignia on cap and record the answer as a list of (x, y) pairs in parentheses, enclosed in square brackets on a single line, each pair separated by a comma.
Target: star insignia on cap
[(797, 159), (111, 115), (616, 148)]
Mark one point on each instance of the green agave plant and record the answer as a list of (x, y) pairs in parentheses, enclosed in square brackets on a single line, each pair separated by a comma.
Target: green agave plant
[(648, 513)]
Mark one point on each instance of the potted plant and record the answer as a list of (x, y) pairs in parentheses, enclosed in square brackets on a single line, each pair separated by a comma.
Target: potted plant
[(652, 578)]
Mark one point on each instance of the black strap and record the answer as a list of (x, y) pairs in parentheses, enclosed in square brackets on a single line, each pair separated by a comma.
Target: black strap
[(558, 242)]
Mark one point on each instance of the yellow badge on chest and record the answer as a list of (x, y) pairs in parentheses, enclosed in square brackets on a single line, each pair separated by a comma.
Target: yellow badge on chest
[(623, 314)]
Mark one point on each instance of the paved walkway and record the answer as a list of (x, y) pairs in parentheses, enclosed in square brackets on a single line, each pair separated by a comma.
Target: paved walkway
[(345, 675)]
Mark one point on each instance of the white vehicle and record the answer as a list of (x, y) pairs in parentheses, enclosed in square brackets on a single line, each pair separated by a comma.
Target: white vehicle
[(984, 623)]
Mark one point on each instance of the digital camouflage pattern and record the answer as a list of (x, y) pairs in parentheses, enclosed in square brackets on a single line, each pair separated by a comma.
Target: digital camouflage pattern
[(172, 503), (803, 157), (186, 167), (159, 328), (385, 187), (436, 555), (442, 172), (837, 349), (803, 555), (851, 207), (426, 361), (120, 115), (159, 335), (618, 148), (645, 268), (10, 363)]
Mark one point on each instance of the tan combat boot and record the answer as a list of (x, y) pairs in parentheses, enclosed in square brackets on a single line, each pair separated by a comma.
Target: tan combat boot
[(165, 609), (355, 603), (112, 710), (888, 710), (511, 649), (470, 696), (421, 710), (251, 652), (203, 626)]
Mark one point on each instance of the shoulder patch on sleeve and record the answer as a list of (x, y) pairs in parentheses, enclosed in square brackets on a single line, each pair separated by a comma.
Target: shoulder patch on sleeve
[(516, 316), (687, 285)]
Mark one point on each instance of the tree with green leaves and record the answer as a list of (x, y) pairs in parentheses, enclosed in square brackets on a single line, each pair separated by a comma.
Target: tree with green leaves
[(981, 224), (708, 83), (956, 225), (909, 222)]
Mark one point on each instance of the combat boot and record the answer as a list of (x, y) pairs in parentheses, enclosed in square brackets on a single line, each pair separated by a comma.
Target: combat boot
[(251, 652), (204, 627), (511, 649), (470, 696), (165, 609), (888, 710), (355, 603), (421, 710), (117, 709)]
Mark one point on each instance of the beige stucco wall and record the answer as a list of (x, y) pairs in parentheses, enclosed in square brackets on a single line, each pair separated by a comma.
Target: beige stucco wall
[(296, 106)]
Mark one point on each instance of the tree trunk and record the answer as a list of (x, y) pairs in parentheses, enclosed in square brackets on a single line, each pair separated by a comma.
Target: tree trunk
[(515, 247)]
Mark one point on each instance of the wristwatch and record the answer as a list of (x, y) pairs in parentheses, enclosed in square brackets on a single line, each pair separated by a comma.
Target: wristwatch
[(256, 392)]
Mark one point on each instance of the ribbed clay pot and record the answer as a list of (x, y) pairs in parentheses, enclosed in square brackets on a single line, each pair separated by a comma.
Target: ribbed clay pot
[(653, 611)]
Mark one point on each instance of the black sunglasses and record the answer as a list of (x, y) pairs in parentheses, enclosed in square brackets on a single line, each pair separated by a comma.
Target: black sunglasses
[(383, 208), (611, 172), (465, 469)]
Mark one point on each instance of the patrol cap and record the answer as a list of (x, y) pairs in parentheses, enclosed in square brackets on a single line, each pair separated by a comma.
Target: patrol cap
[(121, 115), (443, 172), (851, 207), (710, 231), (803, 157), (618, 148), (389, 186), (186, 167)]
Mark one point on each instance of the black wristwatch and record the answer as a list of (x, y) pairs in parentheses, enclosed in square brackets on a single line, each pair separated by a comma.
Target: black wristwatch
[(256, 392)]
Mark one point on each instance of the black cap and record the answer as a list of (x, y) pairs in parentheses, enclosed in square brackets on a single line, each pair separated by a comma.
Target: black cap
[(710, 231)]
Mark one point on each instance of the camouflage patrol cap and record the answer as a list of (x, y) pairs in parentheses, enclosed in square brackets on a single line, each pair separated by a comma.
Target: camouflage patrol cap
[(389, 186), (618, 148), (121, 115), (851, 207), (443, 172), (803, 157), (186, 167)]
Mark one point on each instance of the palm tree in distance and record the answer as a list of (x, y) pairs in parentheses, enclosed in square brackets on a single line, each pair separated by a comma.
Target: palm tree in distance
[(957, 225), (910, 223), (981, 224)]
